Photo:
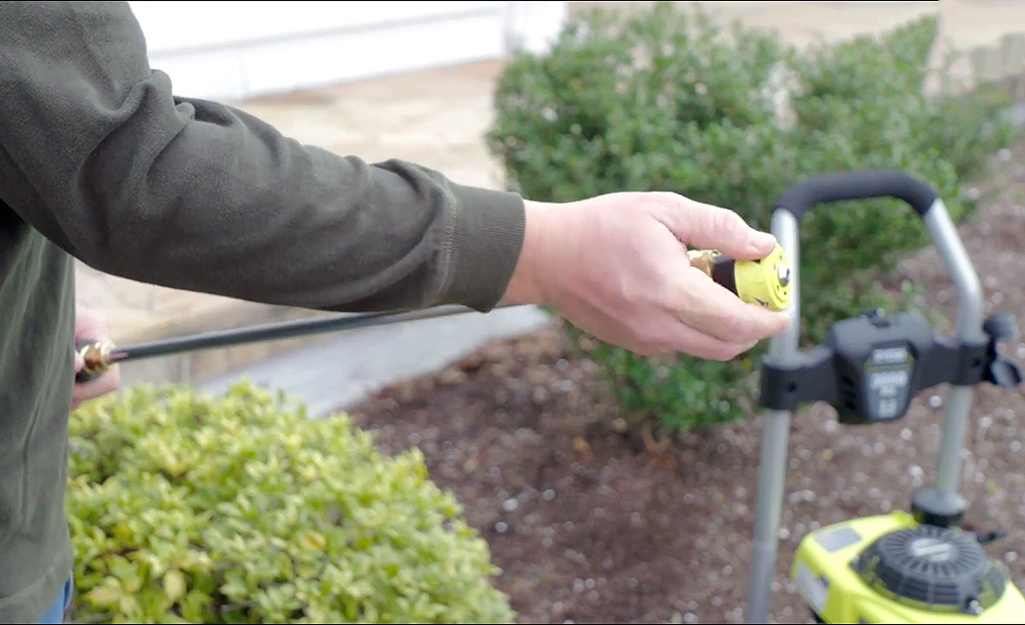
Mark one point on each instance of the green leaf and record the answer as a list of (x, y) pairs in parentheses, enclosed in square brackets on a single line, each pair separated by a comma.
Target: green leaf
[(174, 585), (103, 596)]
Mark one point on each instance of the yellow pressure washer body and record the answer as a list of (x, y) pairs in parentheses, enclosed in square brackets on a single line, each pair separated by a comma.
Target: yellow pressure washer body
[(891, 569)]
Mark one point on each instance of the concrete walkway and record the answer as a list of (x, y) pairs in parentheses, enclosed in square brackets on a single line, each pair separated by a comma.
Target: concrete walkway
[(342, 371), (437, 118)]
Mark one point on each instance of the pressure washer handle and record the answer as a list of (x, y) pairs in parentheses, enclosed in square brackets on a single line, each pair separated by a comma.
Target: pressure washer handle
[(857, 185), (880, 183)]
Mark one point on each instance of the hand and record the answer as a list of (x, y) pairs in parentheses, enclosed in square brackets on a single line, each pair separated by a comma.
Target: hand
[(89, 326), (616, 266)]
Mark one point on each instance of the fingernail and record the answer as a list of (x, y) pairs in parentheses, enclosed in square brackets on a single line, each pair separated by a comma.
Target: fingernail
[(763, 240)]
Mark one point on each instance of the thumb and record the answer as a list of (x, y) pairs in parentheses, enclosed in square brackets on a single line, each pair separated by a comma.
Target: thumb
[(712, 227)]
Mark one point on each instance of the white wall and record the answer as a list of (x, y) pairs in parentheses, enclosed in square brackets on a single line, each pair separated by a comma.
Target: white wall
[(234, 50)]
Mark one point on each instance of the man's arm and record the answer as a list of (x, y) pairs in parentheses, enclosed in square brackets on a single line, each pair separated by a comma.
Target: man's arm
[(98, 154)]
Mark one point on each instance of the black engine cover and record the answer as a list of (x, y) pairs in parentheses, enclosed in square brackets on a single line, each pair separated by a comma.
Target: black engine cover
[(935, 568)]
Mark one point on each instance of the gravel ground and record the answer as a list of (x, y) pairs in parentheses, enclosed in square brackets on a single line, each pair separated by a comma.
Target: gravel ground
[(589, 526)]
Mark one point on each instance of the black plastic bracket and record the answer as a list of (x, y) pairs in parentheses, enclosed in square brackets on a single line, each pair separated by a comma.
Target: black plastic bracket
[(807, 376), (811, 375), (957, 361)]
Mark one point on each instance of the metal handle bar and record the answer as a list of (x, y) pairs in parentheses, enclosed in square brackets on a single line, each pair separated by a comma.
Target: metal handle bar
[(790, 209)]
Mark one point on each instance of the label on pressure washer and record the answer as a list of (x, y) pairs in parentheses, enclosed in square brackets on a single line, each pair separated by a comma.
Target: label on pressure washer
[(814, 588), (875, 365), (888, 381)]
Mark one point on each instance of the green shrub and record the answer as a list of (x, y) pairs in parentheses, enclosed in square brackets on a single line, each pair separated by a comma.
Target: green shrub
[(664, 99), (185, 508)]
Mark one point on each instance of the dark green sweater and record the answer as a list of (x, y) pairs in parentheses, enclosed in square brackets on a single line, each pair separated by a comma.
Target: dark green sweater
[(99, 160)]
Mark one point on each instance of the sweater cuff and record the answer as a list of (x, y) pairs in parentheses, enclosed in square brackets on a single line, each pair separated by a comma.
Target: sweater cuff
[(482, 247)]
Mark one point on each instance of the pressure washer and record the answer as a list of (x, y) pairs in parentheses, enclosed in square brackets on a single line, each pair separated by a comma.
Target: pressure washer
[(908, 566)]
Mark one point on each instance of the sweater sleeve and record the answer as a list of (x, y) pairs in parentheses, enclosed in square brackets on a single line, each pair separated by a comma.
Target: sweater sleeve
[(100, 155)]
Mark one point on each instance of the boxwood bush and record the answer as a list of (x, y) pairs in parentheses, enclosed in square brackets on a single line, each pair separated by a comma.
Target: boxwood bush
[(667, 99), (239, 509)]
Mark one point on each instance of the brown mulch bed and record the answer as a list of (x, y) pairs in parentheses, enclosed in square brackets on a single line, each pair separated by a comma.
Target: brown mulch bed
[(591, 526)]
